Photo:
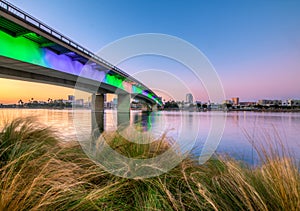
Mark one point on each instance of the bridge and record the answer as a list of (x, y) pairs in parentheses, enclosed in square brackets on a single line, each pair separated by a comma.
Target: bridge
[(33, 51)]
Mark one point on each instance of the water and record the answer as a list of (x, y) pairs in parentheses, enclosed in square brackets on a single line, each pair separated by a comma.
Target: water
[(190, 128)]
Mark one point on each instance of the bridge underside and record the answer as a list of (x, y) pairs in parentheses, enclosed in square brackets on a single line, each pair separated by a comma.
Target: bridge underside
[(18, 70)]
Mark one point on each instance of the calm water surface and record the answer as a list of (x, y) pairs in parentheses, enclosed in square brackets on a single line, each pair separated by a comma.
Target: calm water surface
[(259, 126)]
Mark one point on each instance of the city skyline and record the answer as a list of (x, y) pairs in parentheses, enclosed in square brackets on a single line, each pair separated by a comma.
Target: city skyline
[(189, 98), (253, 46)]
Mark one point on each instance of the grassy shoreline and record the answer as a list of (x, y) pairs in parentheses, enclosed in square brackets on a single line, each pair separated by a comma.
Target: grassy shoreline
[(39, 172)]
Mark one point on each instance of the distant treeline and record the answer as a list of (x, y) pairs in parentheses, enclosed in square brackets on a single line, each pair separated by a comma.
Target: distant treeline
[(58, 104)]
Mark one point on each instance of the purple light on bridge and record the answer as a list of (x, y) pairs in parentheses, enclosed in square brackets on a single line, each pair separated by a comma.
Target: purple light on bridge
[(62, 63)]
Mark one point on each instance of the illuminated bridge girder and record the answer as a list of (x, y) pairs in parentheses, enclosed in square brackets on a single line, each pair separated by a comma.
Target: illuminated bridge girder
[(31, 50)]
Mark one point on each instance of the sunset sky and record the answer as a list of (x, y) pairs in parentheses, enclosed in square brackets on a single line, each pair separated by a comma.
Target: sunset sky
[(253, 45)]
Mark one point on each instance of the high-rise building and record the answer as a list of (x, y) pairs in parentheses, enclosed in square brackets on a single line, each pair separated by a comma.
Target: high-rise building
[(235, 100), (189, 98)]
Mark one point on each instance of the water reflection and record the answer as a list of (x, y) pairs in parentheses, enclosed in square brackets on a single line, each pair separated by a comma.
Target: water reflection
[(176, 125), (143, 121)]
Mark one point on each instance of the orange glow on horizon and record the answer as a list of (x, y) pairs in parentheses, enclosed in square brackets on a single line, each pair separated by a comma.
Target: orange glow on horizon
[(11, 91)]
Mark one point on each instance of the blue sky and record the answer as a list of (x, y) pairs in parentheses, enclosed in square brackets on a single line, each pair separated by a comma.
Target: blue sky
[(253, 45)]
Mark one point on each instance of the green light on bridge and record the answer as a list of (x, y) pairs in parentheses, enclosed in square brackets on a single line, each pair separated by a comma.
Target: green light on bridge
[(21, 49), (114, 81)]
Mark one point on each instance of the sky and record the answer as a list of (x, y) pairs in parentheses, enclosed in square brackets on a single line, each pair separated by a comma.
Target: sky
[(254, 46)]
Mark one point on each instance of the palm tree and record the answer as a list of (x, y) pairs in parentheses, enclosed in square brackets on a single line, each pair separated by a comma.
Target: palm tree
[(20, 102)]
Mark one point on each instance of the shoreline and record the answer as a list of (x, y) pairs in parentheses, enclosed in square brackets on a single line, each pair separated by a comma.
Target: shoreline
[(287, 110)]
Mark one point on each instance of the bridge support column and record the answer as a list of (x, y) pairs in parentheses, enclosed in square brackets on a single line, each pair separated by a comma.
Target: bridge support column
[(149, 108), (97, 114), (154, 107), (123, 110)]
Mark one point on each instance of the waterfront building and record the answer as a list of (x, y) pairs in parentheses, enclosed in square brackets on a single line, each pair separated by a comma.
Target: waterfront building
[(227, 102), (235, 101), (215, 107), (247, 104), (189, 98), (269, 102)]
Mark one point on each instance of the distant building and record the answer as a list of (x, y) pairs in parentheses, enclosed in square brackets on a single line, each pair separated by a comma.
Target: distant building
[(71, 98), (285, 103), (235, 101), (247, 104), (107, 104), (180, 104), (292, 102), (227, 102), (79, 102), (216, 107), (262, 102), (269, 102), (189, 98), (114, 103)]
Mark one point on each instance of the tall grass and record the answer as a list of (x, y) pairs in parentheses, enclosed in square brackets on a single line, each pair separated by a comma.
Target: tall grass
[(38, 172)]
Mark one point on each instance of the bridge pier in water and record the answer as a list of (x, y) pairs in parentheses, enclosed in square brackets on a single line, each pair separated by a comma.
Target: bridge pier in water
[(123, 110), (123, 113), (154, 107), (97, 114)]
